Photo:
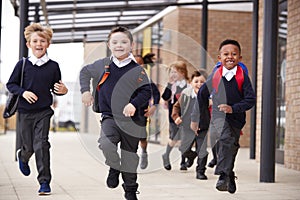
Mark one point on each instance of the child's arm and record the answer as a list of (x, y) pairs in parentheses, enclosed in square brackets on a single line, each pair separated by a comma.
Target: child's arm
[(156, 97), (60, 88), (176, 116), (249, 97), (195, 117), (143, 94), (200, 110), (167, 93), (88, 72)]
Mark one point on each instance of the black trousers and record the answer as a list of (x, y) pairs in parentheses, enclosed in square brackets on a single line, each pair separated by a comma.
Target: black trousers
[(34, 132), (227, 139), (188, 138), (127, 161), (201, 148)]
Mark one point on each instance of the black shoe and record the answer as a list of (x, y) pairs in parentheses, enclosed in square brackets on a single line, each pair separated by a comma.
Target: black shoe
[(130, 195), (130, 192), (201, 176), (212, 163), (112, 180), (183, 167), (166, 162), (191, 159), (231, 184), (222, 184)]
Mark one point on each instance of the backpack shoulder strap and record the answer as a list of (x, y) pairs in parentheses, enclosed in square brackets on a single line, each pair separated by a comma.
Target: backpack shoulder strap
[(216, 79), (217, 76), (239, 77), (105, 74)]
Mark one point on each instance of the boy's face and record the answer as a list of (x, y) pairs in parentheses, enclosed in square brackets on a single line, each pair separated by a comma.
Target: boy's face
[(229, 56), (197, 82), (120, 45), (38, 45)]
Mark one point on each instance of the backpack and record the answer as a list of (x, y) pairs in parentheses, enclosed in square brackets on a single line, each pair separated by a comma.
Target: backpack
[(217, 76)]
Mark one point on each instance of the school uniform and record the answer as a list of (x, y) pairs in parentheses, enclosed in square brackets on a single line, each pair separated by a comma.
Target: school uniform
[(171, 94), (185, 108), (126, 83), (226, 127), (39, 77)]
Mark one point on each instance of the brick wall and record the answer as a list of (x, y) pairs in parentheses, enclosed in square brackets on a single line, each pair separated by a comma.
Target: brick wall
[(292, 134), (259, 81)]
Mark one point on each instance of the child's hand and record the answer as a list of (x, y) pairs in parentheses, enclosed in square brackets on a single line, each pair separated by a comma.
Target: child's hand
[(178, 120), (129, 110), (194, 127), (210, 102), (30, 97), (150, 111), (87, 98), (60, 88), (225, 108)]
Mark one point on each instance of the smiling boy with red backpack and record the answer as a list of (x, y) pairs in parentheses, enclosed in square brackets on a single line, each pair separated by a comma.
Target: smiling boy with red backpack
[(232, 95)]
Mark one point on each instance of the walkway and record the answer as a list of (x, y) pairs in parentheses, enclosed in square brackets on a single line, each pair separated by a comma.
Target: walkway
[(78, 175)]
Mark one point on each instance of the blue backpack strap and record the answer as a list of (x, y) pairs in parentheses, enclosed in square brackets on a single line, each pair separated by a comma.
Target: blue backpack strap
[(242, 65)]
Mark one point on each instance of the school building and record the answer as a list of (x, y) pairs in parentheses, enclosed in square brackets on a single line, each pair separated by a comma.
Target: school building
[(177, 33)]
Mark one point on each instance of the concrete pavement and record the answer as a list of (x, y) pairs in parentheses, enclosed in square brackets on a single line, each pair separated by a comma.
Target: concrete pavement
[(79, 175)]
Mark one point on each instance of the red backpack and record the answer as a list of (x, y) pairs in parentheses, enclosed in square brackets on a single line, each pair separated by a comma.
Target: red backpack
[(239, 77)]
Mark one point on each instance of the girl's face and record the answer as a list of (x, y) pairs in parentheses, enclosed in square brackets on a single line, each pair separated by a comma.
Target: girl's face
[(197, 82), (229, 56), (180, 76), (120, 45), (173, 75), (38, 45)]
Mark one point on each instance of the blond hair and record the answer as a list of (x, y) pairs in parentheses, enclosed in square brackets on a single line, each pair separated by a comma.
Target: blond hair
[(44, 32)]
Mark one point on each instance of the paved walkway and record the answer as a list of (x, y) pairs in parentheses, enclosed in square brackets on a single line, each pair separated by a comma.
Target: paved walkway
[(79, 175)]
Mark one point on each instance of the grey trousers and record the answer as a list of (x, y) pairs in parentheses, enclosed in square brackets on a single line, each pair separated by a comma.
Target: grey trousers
[(226, 137), (127, 161), (34, 131)]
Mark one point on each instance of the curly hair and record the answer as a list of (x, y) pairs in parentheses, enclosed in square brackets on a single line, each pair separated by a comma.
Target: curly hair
[(44, 32)]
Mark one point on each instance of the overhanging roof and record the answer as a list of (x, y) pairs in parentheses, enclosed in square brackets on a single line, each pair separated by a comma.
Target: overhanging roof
[(92, 20)]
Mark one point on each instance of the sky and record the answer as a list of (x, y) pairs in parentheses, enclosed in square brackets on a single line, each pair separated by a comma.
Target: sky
[(69, 56)]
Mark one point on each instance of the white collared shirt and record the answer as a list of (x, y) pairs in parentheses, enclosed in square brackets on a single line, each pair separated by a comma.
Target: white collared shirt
[(229, 74), (181, 83), (193, 95), (38, 61), (123, 62)]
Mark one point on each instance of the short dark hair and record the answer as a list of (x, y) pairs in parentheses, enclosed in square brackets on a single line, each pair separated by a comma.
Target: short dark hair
[(148, 58), (197, 73), (122, 29), (230, 41)]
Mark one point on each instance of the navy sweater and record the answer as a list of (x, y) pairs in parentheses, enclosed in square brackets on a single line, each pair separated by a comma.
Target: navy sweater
[(228, 93), (128, 84), (155, 93), (38, 79)]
